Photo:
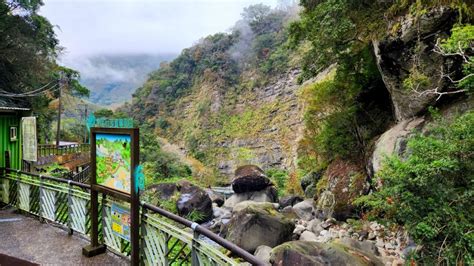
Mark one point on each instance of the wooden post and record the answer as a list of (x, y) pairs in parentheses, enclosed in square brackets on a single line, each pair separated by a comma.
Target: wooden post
[(135, 202), (94, 248)]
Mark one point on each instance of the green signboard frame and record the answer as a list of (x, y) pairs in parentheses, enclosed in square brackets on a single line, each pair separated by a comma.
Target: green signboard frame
[(129, 137)]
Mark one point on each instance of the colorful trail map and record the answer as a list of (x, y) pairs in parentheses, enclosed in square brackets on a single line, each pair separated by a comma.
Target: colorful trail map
[(113, 161)]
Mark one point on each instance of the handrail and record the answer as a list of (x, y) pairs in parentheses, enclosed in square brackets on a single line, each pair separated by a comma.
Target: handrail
[(57, 179), (207, 233), (51, 149), (196, 227)]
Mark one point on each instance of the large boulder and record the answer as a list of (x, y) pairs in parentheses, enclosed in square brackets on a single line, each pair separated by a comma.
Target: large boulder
[(194, 203), (269, 194), (393, 141), (249, 178), (252, 204), (315, 253), (304, 210), (346, 181), (410, 48), (259, 225)]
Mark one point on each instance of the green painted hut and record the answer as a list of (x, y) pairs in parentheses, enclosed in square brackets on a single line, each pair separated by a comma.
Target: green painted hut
[(10, 135)]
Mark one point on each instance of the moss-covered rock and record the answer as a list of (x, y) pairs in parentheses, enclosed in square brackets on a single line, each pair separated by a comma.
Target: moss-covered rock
[(314, 253), (346, 181), (258, 225)]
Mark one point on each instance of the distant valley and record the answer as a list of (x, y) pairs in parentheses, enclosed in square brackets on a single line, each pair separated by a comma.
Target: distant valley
[(113, 78)]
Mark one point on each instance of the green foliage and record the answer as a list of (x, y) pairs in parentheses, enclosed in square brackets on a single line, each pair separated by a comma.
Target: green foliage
[(158, 164), (338, 28), (196, 216), (339, 120), (430, 190), (461, 43), (279, 178), (103, 113), (56, 170)]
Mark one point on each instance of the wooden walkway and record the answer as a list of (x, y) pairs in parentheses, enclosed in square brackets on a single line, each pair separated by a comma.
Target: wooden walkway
[(27, 239)]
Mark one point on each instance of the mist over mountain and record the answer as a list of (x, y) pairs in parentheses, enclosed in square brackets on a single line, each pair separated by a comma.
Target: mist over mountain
[(113, 78)]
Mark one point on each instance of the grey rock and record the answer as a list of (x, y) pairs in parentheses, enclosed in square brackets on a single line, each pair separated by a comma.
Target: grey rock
[(308, 236), (304, 210), (396, 58), (366, 246), (299, 229), (256, 226), (315, 253), (263, 253), (269, 194), (290, 200), (252, 204), (393, 142), (195, 200)]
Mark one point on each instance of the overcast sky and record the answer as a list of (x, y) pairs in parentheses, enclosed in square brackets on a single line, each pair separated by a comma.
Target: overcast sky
[(88, 27)]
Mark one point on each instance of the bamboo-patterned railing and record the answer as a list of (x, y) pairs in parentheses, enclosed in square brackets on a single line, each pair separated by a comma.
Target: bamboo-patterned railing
[(166, 239)]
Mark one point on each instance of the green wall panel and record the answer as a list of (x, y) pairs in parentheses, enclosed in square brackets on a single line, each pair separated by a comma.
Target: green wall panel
[(7, 121)]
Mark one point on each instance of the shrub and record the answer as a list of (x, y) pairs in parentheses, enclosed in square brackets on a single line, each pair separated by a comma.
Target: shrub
[(279, 178), (430, 192)]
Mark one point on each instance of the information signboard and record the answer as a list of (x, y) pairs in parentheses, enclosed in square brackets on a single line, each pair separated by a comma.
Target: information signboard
[(30, 141), (113, 161), (116, 173), (120, 217)]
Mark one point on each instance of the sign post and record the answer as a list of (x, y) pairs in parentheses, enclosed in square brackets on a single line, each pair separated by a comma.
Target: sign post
[(30, 142), (114, 162)]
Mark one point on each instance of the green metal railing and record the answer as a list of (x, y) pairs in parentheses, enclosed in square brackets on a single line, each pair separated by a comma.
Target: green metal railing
[(166, 239)]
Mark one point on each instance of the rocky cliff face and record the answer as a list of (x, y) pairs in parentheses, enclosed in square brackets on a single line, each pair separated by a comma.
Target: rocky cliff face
[(409, 51), (259, 126)]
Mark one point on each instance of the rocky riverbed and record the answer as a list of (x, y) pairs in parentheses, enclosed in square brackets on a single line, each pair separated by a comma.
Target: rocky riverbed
[(291, 230)]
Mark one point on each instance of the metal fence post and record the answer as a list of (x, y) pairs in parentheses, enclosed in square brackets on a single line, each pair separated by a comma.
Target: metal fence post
[(69, 207), (41, 207), (18, 193), (194, 246), (142, 236)]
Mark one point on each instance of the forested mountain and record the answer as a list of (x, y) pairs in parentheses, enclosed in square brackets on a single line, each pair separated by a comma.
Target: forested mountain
[(366, 100), (113, 78)]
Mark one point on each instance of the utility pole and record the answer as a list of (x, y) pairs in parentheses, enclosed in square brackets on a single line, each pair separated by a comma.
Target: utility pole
[(61, 85), (85, 113)]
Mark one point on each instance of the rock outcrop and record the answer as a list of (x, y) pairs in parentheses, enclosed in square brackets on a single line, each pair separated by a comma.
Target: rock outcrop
[(400, 54)]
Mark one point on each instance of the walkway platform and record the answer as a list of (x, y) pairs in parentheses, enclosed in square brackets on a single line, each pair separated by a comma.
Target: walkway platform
[(28, 239)]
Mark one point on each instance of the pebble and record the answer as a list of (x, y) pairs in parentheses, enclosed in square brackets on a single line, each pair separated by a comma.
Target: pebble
[(389, 246), (324, 233), (371, 236)]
